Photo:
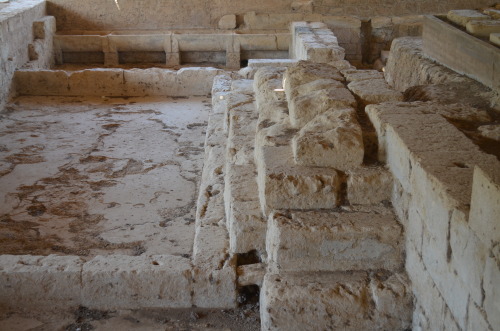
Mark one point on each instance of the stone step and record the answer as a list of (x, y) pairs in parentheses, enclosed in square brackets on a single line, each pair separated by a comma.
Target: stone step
[(336, 301), (334, 240)]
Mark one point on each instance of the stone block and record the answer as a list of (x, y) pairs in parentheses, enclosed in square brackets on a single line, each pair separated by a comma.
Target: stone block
[(468, 256), (373, 91), (283, 185), (214, 270), (484, 28), (97, 82), (149, 82), (251, 274), (369, 185), (493, 13), (491, 131), (353, 75), (128, 282), (485, 204), (196, 81), (227, 22), (491, 286), (34, 281), (332, 139), (462, 17), (334, 301), (315, 85), (342, 65), (495, 38), (304, 72), (333, 241), (41, 82), (304, 108)]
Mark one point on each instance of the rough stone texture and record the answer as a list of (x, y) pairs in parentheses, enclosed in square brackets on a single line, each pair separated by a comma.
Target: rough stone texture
[(369, 185), (121, 281), (353, 75), (333, 241), (483, 29), (314, 42), (347, 301), (26, 279), (305, 108), (372, 91), (333, 139), (305, 72), (16, 32), (492, 12), (491, 131), (495, 39), (462, 17), (227, 22), (407, 66), (283, 185)]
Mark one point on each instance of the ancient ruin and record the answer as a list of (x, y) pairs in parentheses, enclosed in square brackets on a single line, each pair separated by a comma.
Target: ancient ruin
[(272, 165)]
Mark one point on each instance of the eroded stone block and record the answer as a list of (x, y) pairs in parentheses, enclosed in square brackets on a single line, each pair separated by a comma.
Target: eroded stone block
[(333, 241), (373, 91), (369, 185), (483, 28), (333, 139), (462, 16), (338, 301), (353, 75), (304, 72)]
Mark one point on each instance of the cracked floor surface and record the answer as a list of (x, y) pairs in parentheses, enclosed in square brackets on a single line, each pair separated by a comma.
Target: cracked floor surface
[(99, 176)]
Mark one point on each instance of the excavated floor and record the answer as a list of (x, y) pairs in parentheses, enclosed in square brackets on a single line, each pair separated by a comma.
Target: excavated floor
[(89, 176)]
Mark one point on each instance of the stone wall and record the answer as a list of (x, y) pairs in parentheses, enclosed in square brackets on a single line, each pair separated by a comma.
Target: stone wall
[(130, 14), (16, 35)]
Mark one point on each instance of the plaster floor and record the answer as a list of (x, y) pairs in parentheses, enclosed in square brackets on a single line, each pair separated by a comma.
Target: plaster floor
[(99, 176)]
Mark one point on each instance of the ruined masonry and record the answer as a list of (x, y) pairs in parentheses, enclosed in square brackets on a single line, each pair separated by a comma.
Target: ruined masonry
[(336, 196)]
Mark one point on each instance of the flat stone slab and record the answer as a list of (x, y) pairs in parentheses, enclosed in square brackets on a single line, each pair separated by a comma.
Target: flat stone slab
[(483, 28), (372, 91), (333, 241), (462, 16), (336, 301)]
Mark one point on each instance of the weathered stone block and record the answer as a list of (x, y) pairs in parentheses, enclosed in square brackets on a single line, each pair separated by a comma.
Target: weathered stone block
[(333, 241), (333, 139), (369, 185), (353, 75), (483, 28), (227, 22), (306, 107), (34, 281), (372, 91), (41, 82), (119, 281), (334, 301), (97, 82), (462, 17), (283, 185), (304, 72)]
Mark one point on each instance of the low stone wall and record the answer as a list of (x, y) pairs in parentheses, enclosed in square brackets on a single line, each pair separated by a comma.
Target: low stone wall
[(448, 203), (116, 82), (21, 42)]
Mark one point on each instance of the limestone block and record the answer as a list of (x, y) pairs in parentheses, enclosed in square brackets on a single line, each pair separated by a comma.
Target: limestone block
[(41, 82), (304, 72), (227, 22), (483, 28), (336, 301), (492, 290), (304, 108), (333, 139), (32, 281), (315, 85), (495, 38), (255, 64), (283, 185), (214, 271), (493, 13), (196, 81), (244, 86), (333, 241), (342, 65), (153, 81), (476, 319), (372, 91), (270, 134), (353, 75), (491, 131), (97, 82), (468, 256), (424, 290), (251, 274), (485, 204), (120, 281), (369, 185), (462, 17)]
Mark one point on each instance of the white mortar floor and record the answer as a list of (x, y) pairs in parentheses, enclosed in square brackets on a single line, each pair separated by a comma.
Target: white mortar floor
[(100, 176)]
